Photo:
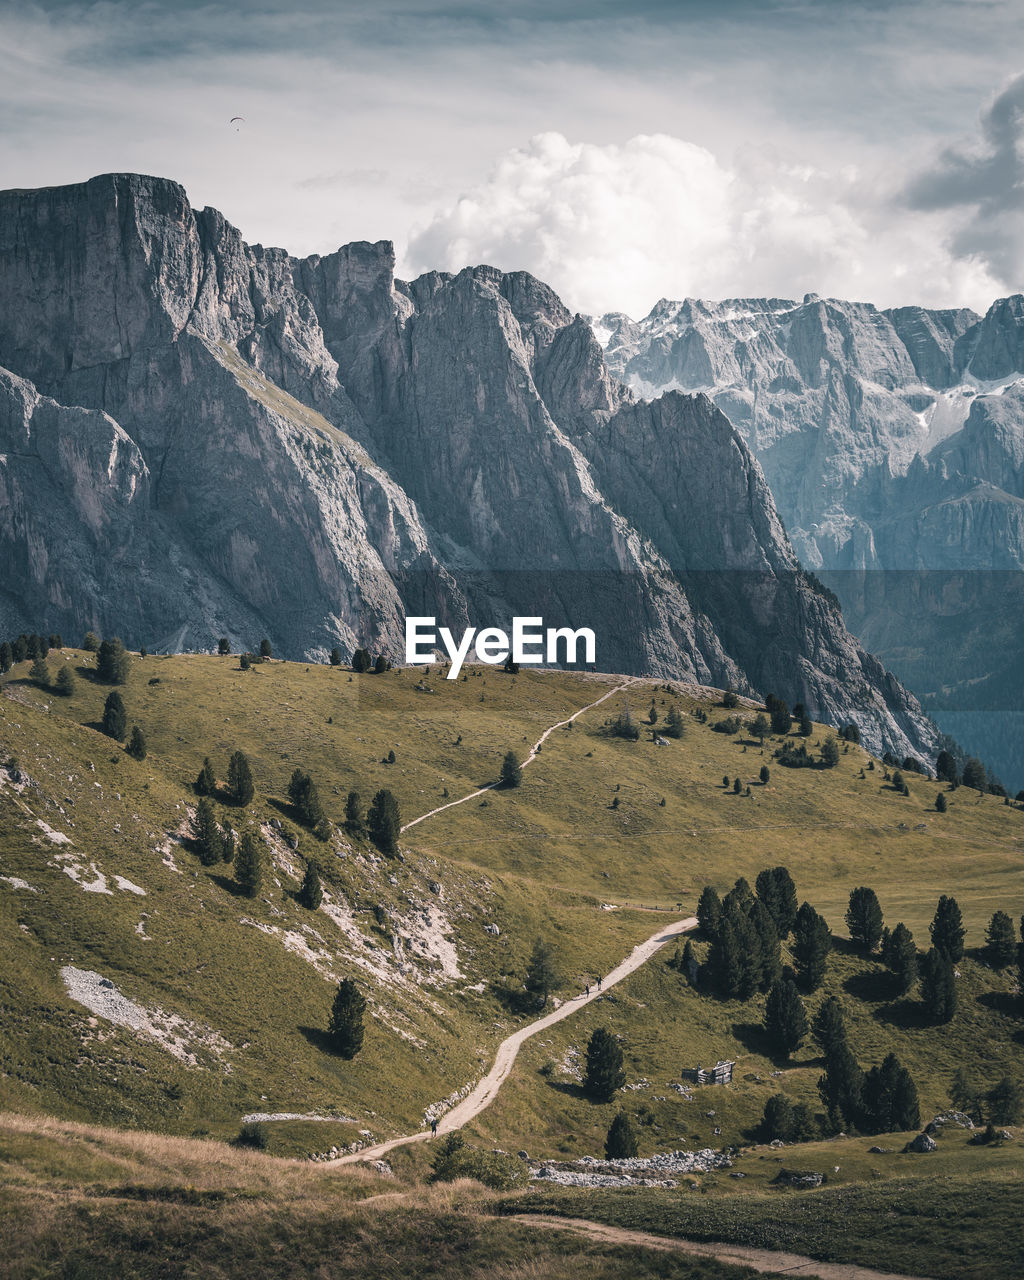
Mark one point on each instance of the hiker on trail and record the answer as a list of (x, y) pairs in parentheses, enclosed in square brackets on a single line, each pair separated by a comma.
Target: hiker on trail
[(588, 990), (599, 984), (433, 1128)]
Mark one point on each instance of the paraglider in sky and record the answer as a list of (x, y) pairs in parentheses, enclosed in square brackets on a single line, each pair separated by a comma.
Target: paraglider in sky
[(237, 121)]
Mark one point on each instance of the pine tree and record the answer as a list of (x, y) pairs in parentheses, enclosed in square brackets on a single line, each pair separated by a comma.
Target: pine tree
[(864, 919), (1001, 941), (206, 832), (620, 1144), (245, 661), (812, 941), (223, 646), (91, 643), (740, 895), (205, 784), (760, 727), (974, 774), (65, 684), (304, 796), (938, 985), (240, 784), (769, 950), (806, 726), (335, 658), (361, 660), (829, 1027), (345, 1028), (604, 1072), (384, 822), (947, 929), (900, 957), (381, 665), (115, 719), (311, 894), (941, 804), (765, 775), (673, 727), (112, 662), (511, 771), (841, 1088), (266, 651), (249, 865), (964, 1094), (688, 965), (830, 753), (1004, 1102), (137, 748), (945, 767), (775, 888), (39, 673), (777, 1120), (709, 911), (778, 713), (541, 978), (890, 1103), (229, 846), (785, 1020), (353, 814), (6, 657)]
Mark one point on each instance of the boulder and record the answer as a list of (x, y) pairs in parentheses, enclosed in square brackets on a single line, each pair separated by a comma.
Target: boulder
[(801, 1179), (922, 1143)]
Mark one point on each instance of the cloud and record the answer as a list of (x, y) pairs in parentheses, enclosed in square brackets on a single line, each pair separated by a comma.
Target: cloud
[(618, 226), (984, 182)]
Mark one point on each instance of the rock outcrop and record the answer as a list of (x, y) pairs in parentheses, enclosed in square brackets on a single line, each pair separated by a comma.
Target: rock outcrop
[(200, 437)]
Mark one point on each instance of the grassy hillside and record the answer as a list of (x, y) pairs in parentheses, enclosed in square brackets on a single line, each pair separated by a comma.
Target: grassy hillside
[(252, 980)]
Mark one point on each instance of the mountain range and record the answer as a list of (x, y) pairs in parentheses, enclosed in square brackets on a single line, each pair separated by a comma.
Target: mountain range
[(202, 438), (893, 443)]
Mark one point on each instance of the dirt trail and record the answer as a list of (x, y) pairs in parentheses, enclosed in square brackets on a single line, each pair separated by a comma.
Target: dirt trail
[(763, 1260), (487, 1089), (529, 759)]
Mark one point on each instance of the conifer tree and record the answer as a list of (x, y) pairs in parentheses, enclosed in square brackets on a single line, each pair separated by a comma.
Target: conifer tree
[(673, 723), (777, 1120), (864, 919), (604, 1072), (112, 662), (709, 911), (776, 890), (830, 753), (812, 941), (945, 767), (115, 719), (974, 774), (829, 1027), (229, 846), (785, 1019), (384, 822), (39, 673), (311, 894), (240, 784), (765, 775), (890, 1103), (6, 657), (207, 835), (841, 1088), (938, 985), (541, 977), (620, 1144), (91, 643), (223, 646), (335, 657), (361, 660), (65, 683), (345, 1028), (249, 865), (1000, 941), (899, 954), (947, 929), (511, 771), (769, 951), (206, 783), (137, 747), (353, 814), (941, 804), (266, 650)]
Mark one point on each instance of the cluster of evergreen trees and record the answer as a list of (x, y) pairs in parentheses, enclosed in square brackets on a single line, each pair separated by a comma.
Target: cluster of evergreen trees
[(305, 799), (746, 931), (362, 661), (26, 646)]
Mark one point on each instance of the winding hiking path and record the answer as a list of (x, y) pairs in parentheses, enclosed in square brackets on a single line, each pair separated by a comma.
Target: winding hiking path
[(529, 759), (763, 1260), (487, 1089)]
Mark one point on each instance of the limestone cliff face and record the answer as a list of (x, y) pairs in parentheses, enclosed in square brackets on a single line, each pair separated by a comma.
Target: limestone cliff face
[(200, 437)]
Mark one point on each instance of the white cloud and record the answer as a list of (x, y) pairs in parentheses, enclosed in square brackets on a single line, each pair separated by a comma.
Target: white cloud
[(617, 226)]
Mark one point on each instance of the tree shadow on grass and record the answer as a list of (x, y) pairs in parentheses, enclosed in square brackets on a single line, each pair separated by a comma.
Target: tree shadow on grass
[(873, 987), (229, 885), (283, 806), (905, 1014), (513, 999), (569, 1087), (1004, 1002), (321, 1040)]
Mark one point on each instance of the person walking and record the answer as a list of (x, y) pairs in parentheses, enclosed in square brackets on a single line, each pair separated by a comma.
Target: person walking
[(433, 1128), (599, 983), (588, 990)]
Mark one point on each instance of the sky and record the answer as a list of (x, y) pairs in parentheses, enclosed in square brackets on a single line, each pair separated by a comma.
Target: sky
[(869, 149)]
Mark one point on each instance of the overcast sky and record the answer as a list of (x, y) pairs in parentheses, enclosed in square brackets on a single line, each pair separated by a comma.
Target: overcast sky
[(862, 149)]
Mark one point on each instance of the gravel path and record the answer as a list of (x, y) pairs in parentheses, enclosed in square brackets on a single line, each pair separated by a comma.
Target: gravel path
[(763, 1260), (529, 759), (487, 1090)]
